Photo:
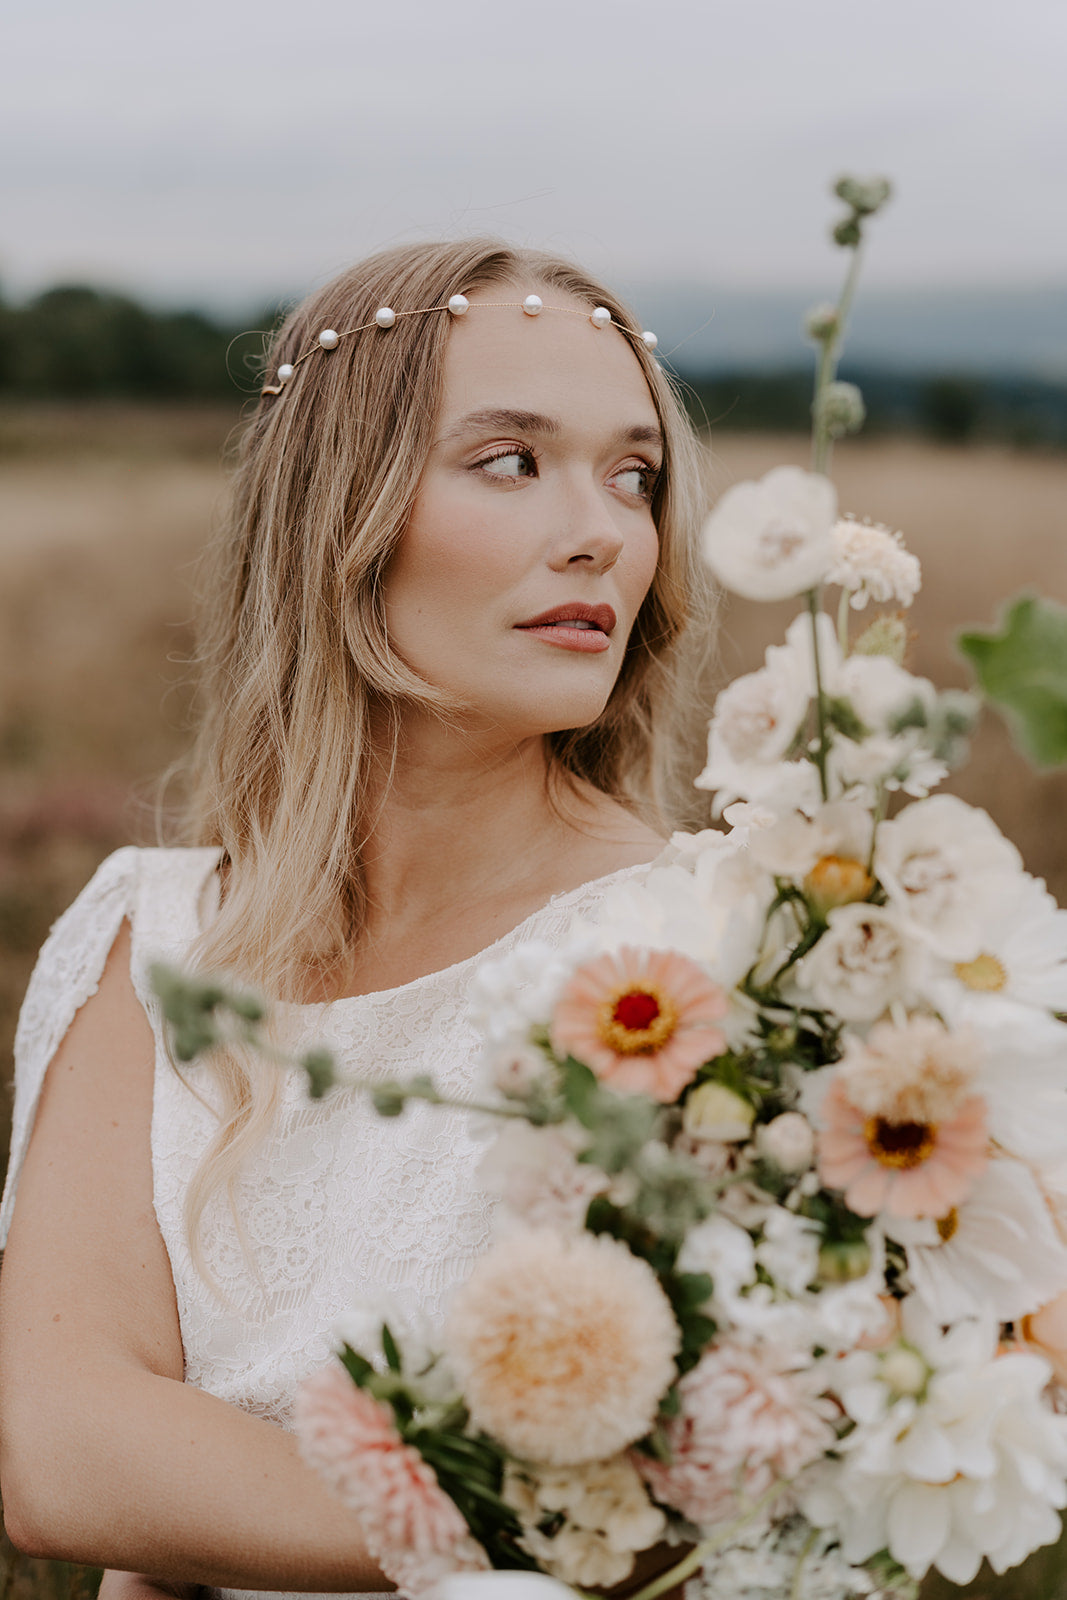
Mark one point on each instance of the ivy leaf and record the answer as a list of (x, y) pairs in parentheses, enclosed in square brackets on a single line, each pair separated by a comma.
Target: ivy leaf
[(1023, 670)]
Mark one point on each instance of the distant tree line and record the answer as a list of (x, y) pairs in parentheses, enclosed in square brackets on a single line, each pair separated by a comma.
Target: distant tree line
[(75, 342)]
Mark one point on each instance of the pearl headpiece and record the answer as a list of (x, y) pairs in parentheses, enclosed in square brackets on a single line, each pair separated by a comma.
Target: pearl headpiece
[(458, 306)]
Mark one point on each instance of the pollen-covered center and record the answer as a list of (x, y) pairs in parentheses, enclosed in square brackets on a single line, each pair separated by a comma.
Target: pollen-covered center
[(637, 1020), (947, 1225), (900, 1145), (985, 974), (778, 541)]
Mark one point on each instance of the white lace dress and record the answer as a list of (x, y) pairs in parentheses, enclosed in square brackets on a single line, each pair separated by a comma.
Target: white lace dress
[(342, 1203)]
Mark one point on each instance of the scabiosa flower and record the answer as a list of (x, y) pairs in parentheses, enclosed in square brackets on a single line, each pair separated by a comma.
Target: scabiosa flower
[(412, 1528), (872, 564), (901, 1130), (748, 1417), (563, 1346), (642, 1020)]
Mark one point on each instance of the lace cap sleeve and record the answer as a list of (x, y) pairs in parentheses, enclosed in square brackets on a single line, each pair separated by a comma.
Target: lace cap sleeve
[(68, 971)]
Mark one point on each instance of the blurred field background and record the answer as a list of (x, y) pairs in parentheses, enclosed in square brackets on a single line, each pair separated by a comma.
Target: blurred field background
[(104, 505)]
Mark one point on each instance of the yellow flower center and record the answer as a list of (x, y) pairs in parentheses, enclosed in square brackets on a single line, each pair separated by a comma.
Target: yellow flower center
[(637, 1019), (947, 1225), (901, 1145), (838, 881), (984, 974)]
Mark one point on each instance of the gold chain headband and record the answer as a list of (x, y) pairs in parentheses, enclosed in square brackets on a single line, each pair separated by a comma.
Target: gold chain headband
[(458, 306)]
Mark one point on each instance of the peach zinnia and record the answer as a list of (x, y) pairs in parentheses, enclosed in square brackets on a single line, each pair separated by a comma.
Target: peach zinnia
[(642, 1020), (901, 1131)]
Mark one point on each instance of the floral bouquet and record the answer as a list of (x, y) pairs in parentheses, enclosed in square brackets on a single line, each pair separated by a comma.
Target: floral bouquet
[(780, 1274)]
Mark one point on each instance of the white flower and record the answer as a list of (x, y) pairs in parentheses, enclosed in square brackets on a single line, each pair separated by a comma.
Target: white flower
[(789, 1250), (873, 564), (774, 538), (973, 1467), (998, 1252), (724, 1251), (537, 1175), (864, 961), (1022, 1078), (791, 846), (1022, 955), (756, 720), (606, 1516), (788, 1140), (360, 1327), (946, 867)]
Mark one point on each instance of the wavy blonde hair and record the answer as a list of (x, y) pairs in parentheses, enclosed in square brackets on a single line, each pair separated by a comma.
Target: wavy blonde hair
[(294, 655)]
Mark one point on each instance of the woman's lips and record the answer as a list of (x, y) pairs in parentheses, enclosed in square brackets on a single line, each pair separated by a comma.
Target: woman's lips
[(574, 626)]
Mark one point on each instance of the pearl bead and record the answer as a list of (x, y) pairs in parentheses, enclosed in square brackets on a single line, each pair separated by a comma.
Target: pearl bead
[(328, 339), (385, 316), (601, 317), (649, 340), (285, 372), (533, 305), (459, 305)]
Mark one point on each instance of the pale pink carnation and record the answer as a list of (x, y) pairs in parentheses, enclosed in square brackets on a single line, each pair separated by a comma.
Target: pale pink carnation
[(412, 1529), (563, 1346), (747, 1419)]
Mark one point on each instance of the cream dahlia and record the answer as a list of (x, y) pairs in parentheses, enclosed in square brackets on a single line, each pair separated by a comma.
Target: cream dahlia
[(563, 1346), (412, 1528), (642, 1020)]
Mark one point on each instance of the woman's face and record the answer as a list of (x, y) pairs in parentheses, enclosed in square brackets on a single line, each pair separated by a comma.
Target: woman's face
[(531, 544)]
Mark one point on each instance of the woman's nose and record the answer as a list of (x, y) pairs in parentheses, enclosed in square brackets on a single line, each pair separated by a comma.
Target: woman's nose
[(589, 536)]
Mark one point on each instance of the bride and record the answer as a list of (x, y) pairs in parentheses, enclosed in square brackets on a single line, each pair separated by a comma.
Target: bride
[(439, 665)]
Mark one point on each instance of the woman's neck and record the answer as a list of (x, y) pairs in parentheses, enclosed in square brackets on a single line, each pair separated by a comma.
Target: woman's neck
[(472, 835)]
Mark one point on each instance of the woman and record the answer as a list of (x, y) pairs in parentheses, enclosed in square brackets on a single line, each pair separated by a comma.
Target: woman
[(436, 683)]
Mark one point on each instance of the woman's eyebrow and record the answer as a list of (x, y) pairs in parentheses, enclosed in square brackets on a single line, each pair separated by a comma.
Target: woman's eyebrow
[(505, 420)]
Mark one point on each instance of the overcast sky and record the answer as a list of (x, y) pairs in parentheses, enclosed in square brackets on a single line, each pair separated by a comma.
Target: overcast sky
[(227, 152)]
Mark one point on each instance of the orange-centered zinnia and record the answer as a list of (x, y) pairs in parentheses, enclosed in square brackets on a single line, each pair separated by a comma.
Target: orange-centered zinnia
[(837, 881), (642, 1020)]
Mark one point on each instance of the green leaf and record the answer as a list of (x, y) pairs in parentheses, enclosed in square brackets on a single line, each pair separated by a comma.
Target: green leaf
[(358, 1367), (390, 1349), (580, 1091), (1023, 670)]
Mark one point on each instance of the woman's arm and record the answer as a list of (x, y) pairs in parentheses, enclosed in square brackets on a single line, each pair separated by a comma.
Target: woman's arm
[(106, 1456)]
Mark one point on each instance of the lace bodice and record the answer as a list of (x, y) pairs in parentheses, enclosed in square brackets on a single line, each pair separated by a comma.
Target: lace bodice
[(340, 1204)]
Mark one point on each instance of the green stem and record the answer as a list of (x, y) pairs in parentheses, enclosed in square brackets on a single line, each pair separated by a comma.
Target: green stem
[(822, 443), (878, 817), (695, 1559), (820, 695), (842, 621), (809, 1545)]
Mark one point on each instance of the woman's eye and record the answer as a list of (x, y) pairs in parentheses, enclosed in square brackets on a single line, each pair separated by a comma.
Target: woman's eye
[(636, 480), (510, 464)]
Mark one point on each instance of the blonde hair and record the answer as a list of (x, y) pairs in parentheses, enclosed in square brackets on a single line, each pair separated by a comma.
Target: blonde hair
[(294, 655)]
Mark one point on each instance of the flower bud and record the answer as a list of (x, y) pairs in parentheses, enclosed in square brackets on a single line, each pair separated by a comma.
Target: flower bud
[(864, 195), (904, 1371), (886, 636), (788, 1141), (840, 409), (836, 881), (847, 233), (712, 1111), (821, 323), (844, 1260)]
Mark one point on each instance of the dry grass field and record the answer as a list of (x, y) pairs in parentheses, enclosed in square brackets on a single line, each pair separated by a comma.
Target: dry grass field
[(102, 513)]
